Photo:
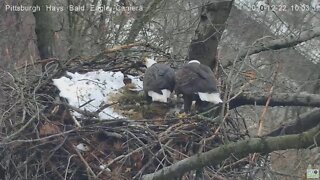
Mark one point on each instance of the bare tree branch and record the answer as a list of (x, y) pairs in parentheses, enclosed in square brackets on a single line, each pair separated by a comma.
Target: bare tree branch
[(305, 122), (278, 99), (239, 150), (280, 43), (142, 18)]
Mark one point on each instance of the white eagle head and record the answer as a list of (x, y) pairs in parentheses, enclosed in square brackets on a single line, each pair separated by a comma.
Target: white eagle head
[(194, 61), (149, 62)]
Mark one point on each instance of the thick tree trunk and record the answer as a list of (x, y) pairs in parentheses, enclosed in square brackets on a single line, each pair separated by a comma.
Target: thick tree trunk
[(44, 29), (204, 45)]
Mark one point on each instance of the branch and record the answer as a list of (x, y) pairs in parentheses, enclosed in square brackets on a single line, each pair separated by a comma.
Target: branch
[(281, 43), (150, 8), (301, 124), (278, 99), (122, 47), (239, 150)]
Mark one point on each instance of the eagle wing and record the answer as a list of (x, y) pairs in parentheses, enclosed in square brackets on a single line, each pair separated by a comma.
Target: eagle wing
[(159, 77), (193, 78)]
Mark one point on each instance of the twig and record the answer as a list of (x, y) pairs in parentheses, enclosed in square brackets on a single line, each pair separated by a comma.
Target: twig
[(35, 140), (85, 162), (78, 110), (8, 138), (69, 160)]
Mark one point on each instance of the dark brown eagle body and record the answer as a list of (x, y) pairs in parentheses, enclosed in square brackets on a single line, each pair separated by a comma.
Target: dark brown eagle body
[(196, 82), (158, 82)]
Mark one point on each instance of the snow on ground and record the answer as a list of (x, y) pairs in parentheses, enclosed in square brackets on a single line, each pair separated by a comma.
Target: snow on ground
[(96, 87)]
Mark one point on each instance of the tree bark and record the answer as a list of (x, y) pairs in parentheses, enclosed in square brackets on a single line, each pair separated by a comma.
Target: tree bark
[(239, 150), (44, 29), (204, 45)]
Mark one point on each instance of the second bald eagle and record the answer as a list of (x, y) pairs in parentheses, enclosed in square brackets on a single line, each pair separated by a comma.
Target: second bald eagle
[(158, 81), (196, 82)]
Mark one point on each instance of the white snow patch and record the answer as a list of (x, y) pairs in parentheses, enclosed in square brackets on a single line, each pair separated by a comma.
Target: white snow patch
[(104, 167), (96, 87), (82, 147), (160, 97), (210, 97)]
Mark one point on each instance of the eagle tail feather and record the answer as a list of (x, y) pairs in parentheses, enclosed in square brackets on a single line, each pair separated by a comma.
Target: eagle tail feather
[(160, 97), (210, 97)]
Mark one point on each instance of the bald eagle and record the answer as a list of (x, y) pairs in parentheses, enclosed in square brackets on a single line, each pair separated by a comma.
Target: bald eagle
[(158, 81), (196, 82)]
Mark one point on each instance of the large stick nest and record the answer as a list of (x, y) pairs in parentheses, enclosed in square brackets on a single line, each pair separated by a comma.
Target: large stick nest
[(39, 137)]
